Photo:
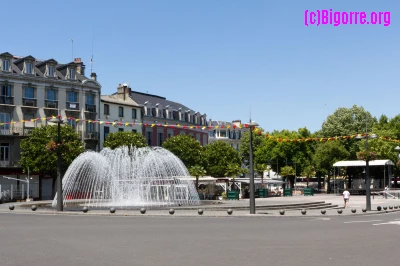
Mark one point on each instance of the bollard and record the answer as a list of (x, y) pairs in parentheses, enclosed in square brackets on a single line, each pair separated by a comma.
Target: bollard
[(229, 211), (340, 211), (396, 207), (364, 210), (11, 207), (385, 208), (85, 209), (379, 208), (200, 211), (303, 211), (112, 210), (323, 211), (390, 207), (142, 210), (34, 207), (282, 212), (171, 211), (353, 210)]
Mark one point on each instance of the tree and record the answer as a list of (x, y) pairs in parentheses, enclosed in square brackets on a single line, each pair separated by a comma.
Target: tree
[(197, 171), (308, 171), (260, 168), (186, 148), (328, 153), (287, 171), (219, 155), (39, 149), (258, 141), (118, 139), (233, 170)]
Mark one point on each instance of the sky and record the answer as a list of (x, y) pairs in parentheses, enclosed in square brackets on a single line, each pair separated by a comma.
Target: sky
[(223, 58)]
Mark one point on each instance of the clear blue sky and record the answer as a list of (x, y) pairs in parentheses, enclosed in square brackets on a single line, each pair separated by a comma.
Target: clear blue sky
[(220, 57)]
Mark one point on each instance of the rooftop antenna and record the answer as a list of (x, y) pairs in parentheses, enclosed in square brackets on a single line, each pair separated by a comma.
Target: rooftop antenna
[(72, 47), (250, 113), (91, 60)]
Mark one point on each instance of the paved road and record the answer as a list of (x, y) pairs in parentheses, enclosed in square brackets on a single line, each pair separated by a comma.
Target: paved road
[(29, 239)]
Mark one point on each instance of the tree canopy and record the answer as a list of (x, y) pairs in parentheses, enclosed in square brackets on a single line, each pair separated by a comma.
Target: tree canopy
[(186, 148), (219, 155), (118, 139), (39, 149)]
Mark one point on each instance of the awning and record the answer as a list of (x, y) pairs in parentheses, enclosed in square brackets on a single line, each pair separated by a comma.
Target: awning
[(362, 163)]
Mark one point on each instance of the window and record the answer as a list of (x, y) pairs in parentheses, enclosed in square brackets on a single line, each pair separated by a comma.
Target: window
[(90, 99), (29, 120), (71, 73), (29, 93), (120, 129), (6, 90), (4, 152), (134, 114), (106, 131), (6, 64), (28, 68), (160, 138), (51, 71), (169, 135), (72, 96), (134, 130), (148, 111), (148, 137), (72, 123), (51, 95), (106, 109), (4, 118), (90, 127), (121, 111)]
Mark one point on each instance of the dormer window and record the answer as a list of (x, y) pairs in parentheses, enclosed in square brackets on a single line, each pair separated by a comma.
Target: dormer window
[(50, 71), (28, 68), (71, 73), (6, 65)]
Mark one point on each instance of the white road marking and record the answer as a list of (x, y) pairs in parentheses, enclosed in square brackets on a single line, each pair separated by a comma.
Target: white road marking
[(363, 221), (394, 222)]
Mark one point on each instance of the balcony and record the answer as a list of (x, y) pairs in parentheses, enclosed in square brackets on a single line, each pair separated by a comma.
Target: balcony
[(91, 136), (15, 131), (9, 164), (30, 102), (72, 105), (91, 108), (51, 104), (7, 100)]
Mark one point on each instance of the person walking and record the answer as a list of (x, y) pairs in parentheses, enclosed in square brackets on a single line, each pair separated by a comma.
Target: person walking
[(346, 197), (386, 192)]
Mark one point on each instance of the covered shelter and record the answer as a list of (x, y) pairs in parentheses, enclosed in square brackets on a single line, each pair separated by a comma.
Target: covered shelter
[(357, 185)]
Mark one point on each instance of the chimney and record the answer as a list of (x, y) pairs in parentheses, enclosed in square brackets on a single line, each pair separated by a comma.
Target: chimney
[(93, 76), (124, 91), (80, 68)]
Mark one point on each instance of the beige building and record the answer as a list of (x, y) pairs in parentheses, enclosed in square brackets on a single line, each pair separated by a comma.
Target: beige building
[(33, 90), (228, 132), (119, 112)]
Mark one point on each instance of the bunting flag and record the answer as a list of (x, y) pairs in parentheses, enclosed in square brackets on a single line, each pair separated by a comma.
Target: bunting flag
[(199, 127)]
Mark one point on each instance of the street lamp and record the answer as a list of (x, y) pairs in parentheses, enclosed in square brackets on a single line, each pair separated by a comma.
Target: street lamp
[(367, 180), (252, 124), (58, 121)]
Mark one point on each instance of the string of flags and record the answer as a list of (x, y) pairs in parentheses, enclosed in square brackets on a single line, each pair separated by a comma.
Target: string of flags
[(235, 127)]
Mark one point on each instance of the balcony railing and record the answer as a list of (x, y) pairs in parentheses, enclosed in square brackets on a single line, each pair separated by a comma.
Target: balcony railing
[(29, 102), (91, 135), (9, 164), (73, 105), (91, 108), (6, 99), (51, 104), (15, 131)]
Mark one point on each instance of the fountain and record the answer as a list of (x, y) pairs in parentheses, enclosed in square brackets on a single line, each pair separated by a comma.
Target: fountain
[(128, 177)]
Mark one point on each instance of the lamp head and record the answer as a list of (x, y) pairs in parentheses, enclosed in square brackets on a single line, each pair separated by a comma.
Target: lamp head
[(56, 120), (253, 124), (397, 149), (373, 136)]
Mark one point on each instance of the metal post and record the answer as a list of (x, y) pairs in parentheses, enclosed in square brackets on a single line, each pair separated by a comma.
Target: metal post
[(367, 180), (59, 181), (27, 181), (252, 192)]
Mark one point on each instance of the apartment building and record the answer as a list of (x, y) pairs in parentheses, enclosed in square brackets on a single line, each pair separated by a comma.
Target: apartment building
[(119, 112), (159, 112), (32, 90), (229, 132)]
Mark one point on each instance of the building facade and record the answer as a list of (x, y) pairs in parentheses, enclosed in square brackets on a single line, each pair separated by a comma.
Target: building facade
[(229, 132), (163, 118), (32, 91), (119, 112)]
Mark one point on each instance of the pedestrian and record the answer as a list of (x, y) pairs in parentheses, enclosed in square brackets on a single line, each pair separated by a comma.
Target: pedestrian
[(386, 191), (346, 197)]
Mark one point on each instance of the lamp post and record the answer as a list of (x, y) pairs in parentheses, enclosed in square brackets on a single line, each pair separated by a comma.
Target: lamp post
[(252, 124), (397, 149), (367, 178), (58, 121)]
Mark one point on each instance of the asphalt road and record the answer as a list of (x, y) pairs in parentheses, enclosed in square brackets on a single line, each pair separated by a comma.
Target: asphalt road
[(95, 240)]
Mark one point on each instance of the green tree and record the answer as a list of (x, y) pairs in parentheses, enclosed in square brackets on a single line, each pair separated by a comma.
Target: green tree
[(218, 156), (244, 149), (197, 171), (308, 172), (39, 149), (328, 153), (118, 139), (287, 171), (186, 148)]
